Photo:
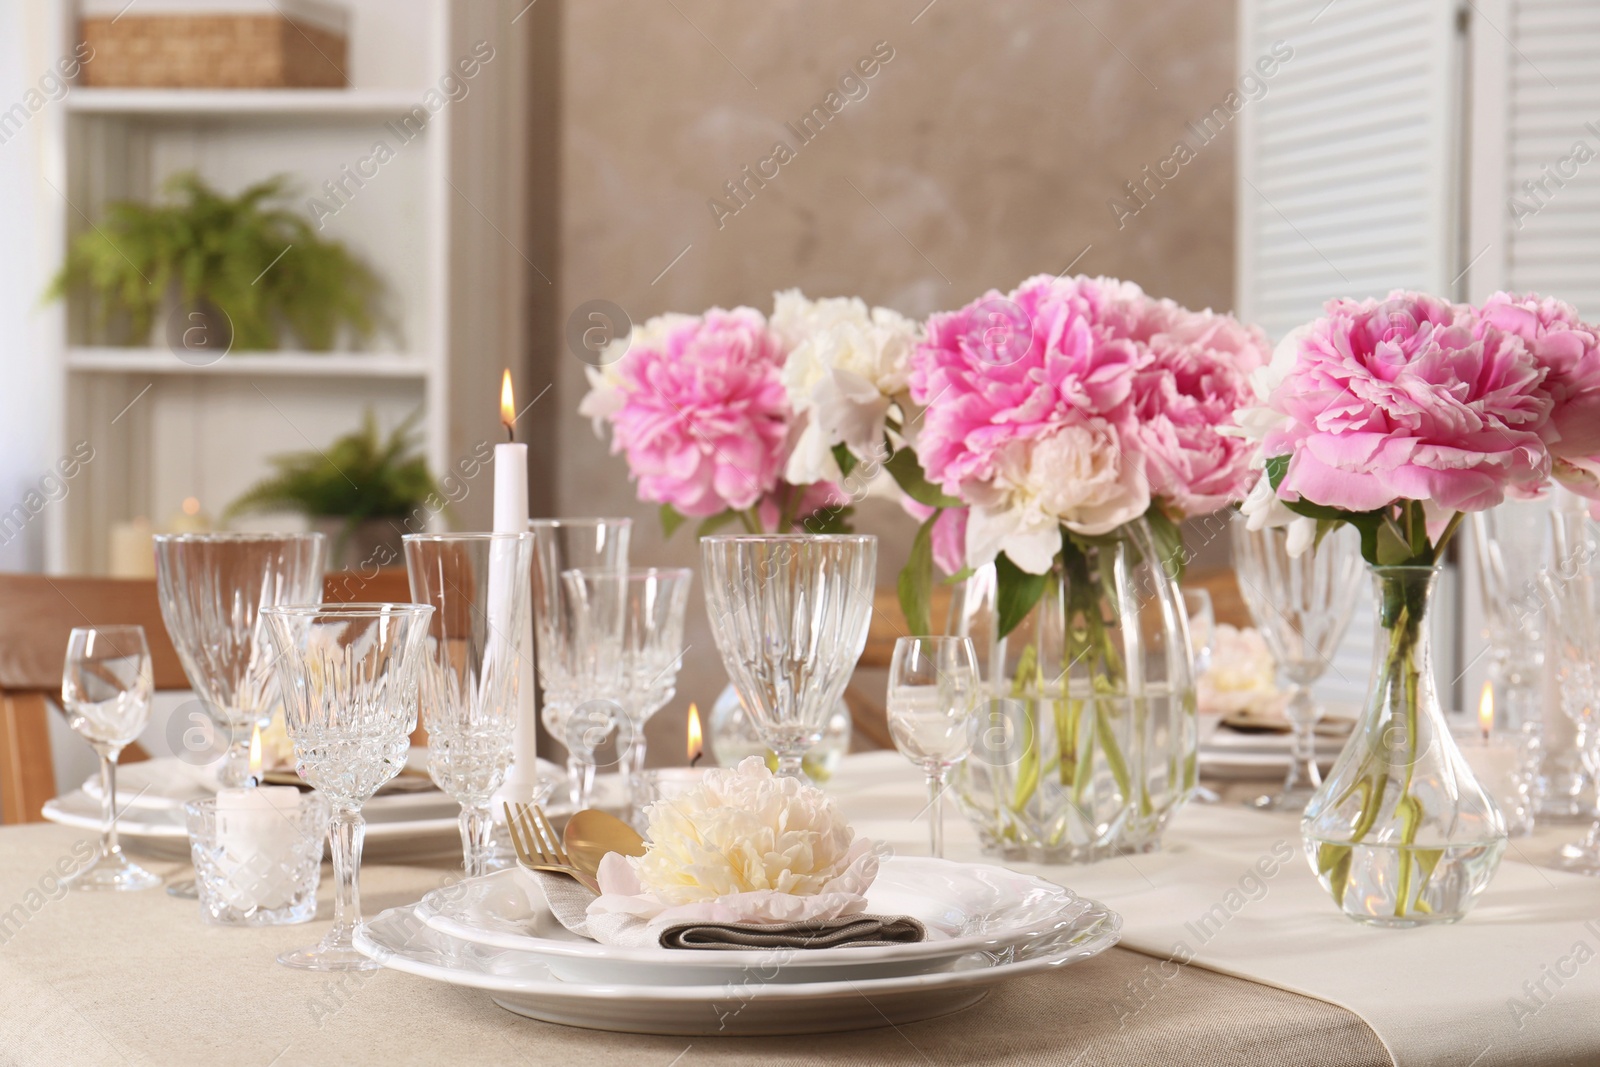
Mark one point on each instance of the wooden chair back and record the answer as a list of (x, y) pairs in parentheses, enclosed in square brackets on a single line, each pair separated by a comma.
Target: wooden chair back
[(37, 612), (867, 712)]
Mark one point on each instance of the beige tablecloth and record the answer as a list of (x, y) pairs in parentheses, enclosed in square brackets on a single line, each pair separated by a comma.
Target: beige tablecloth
[(89, 979)]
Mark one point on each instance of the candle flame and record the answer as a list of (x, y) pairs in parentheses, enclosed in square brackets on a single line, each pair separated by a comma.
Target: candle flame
[(1486, 709), (191, 505), (508, 405), (255, 754), (696, 746)]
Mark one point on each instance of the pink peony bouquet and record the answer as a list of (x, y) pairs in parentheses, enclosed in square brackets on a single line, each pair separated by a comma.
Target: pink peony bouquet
[(1398, 416), (1057, 413)]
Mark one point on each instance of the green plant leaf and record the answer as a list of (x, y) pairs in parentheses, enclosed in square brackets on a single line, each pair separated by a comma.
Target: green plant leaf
[(845, 458), (671, 519), (916, 580), (715, 522), (1017, 592), (907, 473)]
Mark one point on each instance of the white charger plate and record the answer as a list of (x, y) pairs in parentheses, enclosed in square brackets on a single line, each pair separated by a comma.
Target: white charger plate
[(965, 907), (524, 983)]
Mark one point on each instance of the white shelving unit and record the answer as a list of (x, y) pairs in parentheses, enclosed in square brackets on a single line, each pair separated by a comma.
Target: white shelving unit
[(437, 221)]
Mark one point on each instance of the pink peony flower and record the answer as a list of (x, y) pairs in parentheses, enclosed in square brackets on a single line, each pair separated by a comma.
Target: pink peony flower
[(701, 413), (1184, 396), (1408, 399), (1569, 351), (1005, 369)]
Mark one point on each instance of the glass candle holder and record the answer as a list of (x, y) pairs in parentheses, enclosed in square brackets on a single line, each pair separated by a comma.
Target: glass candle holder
[(257, 855)]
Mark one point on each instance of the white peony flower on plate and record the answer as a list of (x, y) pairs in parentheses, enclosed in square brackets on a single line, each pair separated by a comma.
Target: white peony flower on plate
[(848, 365), (742, 846), (1243, 676), (1076, 476)]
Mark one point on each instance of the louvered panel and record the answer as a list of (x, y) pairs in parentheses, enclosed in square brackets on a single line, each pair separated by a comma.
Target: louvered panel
[(1347, 187), (1552, 250)]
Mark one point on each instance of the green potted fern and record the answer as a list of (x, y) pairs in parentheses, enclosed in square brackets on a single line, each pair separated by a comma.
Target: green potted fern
[(359, 490), (247, 270)]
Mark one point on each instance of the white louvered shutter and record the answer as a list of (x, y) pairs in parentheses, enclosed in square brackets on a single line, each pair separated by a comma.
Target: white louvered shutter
[(1348, 163), (1350, 180)]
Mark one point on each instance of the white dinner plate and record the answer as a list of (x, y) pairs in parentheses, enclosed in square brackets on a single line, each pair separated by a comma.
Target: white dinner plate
[(524, 983), (401, 826), (965, 907), (1234, 754)]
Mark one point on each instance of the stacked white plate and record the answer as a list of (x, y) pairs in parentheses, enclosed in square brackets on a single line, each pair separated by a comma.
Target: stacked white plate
[(402, 824), (985, 924)]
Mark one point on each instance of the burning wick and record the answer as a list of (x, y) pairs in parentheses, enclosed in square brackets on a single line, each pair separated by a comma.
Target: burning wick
[(255, 757), (508, 407), (696, 747), (1486, 710)]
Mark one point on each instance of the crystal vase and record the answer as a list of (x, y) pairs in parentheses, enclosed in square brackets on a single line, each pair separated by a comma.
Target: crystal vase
[(1401, 833), (1087, 744)]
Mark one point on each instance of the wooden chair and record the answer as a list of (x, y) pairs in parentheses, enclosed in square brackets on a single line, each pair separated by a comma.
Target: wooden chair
[(867, 714), (36, 614)]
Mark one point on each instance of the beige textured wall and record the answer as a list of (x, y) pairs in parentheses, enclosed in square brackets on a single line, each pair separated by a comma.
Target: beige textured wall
[(984, 151)]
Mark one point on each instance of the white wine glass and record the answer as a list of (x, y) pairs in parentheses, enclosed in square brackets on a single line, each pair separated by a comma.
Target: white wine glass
[(478, 586), (933, 700), (349, 679), (106, 687), (1302, 605)]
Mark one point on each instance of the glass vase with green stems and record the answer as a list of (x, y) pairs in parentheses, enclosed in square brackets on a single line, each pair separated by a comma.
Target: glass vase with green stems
[(1087, 744), (1400, 833)]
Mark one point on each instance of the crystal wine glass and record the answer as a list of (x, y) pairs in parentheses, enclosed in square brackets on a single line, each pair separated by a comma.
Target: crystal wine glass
[(644, 676), (789, 613), (213, 587), (932, 704), (105, 690), (349, 678), (563, 545), (1302, 605), (1572, 594), (478, 585)]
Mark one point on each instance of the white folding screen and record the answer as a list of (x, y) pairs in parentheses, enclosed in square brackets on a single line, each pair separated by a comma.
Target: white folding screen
[(1350, 183)]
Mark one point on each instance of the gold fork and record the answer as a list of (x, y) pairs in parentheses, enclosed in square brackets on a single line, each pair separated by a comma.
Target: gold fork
[(539, 847)]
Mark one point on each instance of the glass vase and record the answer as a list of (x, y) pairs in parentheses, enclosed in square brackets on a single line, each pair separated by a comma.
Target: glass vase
[(1088, 741), (1401, 833)]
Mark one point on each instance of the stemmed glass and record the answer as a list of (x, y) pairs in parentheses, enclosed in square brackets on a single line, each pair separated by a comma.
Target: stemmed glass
[(105, 689), (641, 675), (212, 588), (562, 545), (1302, 605), (932, 705), (1202, 644), (789, 613), (1572, 591), (349, 679), (478, 586)]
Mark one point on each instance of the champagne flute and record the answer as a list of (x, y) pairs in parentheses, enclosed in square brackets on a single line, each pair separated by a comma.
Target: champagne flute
[(106, 686), (349, 679), (933, 699)]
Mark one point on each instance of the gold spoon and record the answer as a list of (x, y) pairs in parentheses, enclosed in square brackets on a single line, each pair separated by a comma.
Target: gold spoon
[(591, 833)]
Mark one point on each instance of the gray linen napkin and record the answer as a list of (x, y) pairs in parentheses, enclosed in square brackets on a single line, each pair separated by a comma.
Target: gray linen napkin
[(569, 902)]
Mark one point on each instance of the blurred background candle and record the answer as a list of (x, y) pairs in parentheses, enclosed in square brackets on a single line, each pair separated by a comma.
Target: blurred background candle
[(1503, 763), (132, 552), (511, 516)]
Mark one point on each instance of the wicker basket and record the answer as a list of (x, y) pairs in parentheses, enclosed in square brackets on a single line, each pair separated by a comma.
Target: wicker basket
[(225, 44)]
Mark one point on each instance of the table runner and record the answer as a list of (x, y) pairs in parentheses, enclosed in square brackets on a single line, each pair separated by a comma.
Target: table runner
[(91, 979), (1515, 983)]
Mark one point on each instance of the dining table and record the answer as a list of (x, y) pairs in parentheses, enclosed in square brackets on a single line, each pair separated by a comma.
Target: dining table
[(1231, 955)]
